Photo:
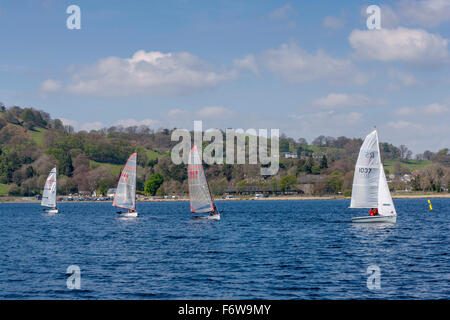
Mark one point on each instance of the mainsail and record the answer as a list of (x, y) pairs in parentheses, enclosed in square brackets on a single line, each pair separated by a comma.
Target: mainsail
[(125, 196), (49, 195), (199, 194), (370, 189), (366, 178)]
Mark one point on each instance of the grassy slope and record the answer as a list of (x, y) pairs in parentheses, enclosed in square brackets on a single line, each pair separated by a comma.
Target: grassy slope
[(113, 168), (37, 135), (4, 189), (151, 155), (410, 164), (315, 149)]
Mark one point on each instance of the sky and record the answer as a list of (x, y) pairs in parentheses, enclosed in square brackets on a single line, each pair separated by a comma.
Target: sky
[(307, 68)]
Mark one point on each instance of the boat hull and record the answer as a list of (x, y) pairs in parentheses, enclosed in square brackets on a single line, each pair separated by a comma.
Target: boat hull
[(128, 214), (375, 219), (51, 211), (210, 217)]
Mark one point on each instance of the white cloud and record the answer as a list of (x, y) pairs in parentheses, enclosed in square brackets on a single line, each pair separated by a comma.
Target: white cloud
[(214, 112), (330, 123), (68, 122), (176, 113), (402, 78), (337, 100), (417, 135), (147, 72), (389, 19), (49, 86), (133, 122), (332, 22), (388, 16), (427, 13), (420, 128), (422, 13), (433, 109), (209, 112), (402, 124), (436, 108), (296, 65), (401, 44), (283, 12), (212, 117), (86, 126), (314, 119), (246, 63), (96, 125)]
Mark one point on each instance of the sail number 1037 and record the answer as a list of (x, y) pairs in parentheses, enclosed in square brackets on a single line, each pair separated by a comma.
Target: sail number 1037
[(365, 170)]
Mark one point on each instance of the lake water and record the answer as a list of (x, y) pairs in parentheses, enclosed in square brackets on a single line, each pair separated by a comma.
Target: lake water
[(304, 249)]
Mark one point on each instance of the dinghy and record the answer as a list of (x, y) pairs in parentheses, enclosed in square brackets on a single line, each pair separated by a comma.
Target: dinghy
[(199, 193), (49, 194), (370, 188), (125, 196)]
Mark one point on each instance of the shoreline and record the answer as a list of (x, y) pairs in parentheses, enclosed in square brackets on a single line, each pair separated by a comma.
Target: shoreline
[(282, 198)]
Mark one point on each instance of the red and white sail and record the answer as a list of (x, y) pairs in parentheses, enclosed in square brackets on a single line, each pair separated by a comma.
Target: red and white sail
[(125, 196), (49, 195), (199, 194)]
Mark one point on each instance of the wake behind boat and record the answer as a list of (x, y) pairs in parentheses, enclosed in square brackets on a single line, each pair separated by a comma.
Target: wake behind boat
[(199, 193), (49, 194), (370, 188), (125, 196)]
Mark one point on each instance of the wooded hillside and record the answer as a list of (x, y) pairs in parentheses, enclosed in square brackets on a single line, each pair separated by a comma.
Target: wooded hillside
[(31, 143)]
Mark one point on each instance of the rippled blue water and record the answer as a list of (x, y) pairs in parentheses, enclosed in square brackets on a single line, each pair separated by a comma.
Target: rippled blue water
[(260, 249)]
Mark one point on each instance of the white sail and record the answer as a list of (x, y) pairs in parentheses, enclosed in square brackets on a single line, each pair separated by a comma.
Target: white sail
[(199, 195), (370, 188), (367, 174), (49, 195), (385, 205), (125, 196)]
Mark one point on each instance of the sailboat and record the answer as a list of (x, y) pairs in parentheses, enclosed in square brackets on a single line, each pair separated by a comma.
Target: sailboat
[(199, 193), (370, 188), (49, 194), (125, 196)]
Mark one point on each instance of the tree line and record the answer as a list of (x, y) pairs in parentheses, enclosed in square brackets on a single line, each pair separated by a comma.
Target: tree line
[(31, 143)]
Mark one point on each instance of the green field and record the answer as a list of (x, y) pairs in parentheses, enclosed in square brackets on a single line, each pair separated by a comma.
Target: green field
[(152, 155), (115, 169), (410, 164), (4, 189), (312, 148), (37, 135)]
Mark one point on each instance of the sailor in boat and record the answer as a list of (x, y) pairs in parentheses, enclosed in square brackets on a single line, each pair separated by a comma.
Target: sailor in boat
[(373, 212), (215, 211), (129, 211)]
